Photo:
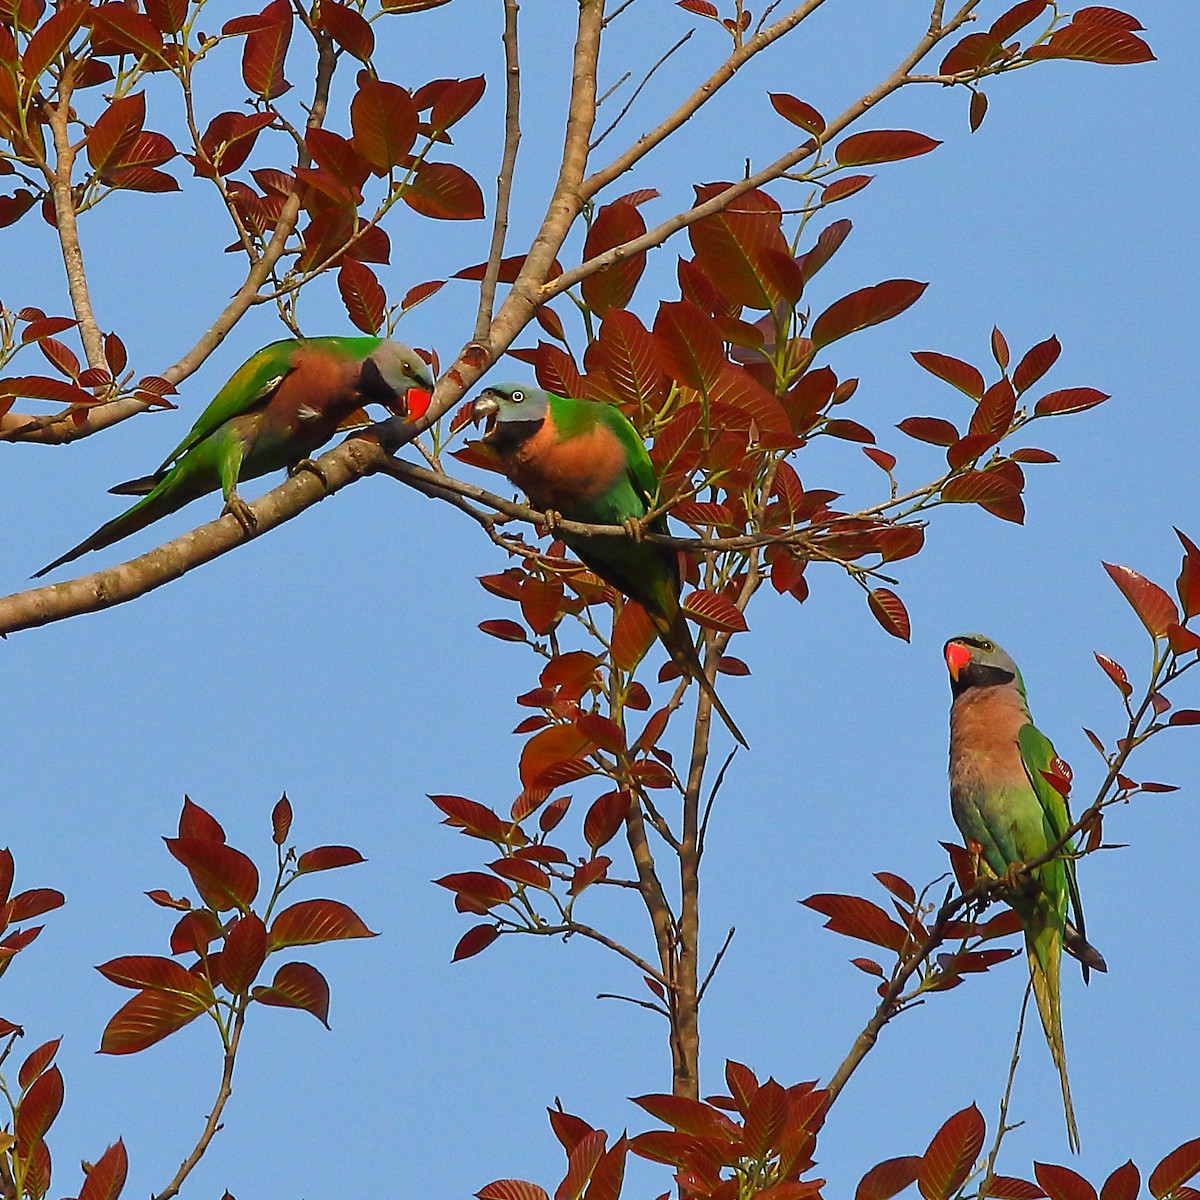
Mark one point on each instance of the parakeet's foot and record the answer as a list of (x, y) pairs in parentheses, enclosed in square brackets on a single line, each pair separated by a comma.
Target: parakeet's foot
[(308, 464), (634, 527), (1016, 877), (237, 507), (551, 518)]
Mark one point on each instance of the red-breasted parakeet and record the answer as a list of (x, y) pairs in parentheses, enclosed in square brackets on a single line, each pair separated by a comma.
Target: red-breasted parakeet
[(1002, 802), (279, 406), (583, 460)]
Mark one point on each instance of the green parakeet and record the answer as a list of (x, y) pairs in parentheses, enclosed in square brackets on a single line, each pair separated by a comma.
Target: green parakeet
[(583, 460), (1001, 801), (279, 406)]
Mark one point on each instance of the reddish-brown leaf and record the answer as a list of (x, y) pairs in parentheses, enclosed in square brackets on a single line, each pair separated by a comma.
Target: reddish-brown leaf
[(33, 903), (510, 1189), (713, 610), (951, 1154), (882, 145), (933, 430), (36, 1062), (169, 16), (1061, 1183), (506, 631), (298, 985), (281, 820), (632, 636), (690, 1116), (38, 1108), (605, 817), (455, 100), (1154, 607), (1005, 1187), (1116, 673), (1123, 1184), (887, 1178), (1094, 43), (888, 609), (116, 129), (994, 413), (625, 352), (265, 50), (326, 858), (119, 29), (384, 120), (868, 306), (977, 110), (475, 941), (613, 287), (1036, 363), (348, 28), (147, 1018), (1100, 14), (689, 345), (1068, 400), (106, 1177), (858, 918), (954, 371), (49, 40), (978, 487), (518, 870), (1175, 1170), (224, 877), (798, 112), (151, 973), (196, 822), (550, 747), (445, 192), (244, 953), (733, 247), (363, 295), (602, 730), (309, 922)]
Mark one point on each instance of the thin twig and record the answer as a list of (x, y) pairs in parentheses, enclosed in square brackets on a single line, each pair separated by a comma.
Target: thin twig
[(1002, 1125), (715, 964), (637, 91)]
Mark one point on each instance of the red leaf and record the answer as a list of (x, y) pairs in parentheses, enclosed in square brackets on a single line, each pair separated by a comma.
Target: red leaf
[(933, 430), (589, 873), (384, 120), (49, 40), (625, 352), (858, 918), (474, 941), (1123, 1184), (701, 8), (119, 29), (978, 487), (33, 903), (265, 51), (506, 631), (977, 110), (107, 1176), (551, 747), (281, 820), (518, 870), (797, 112), (1175, 1170), (195, 931), (444, 192), (455, 100), (1188, 583), (1102, 15), (362, 294), (1068, 400), (882, 145), (1036, 363), (147, 1018), (326, 858), (954, 371), (1155, 609), (951, 1154), (1061, 1183), (115, 130), (605, 818), (224, 877), (868, 306), (714, 611), (348, 28), (298, 985), (147, 972), (480, 890), (37, 1109), (602, 730), (887, 1178), (689, 345), (511, 1189), (994, 413), (846, 186), (1007, 1188), (244, 952), (312, 921), (690, 1116), (36, 1062), (632, 636), (888, 609), (1116, 673), (1016, 18), (196, 822), (734, 247), (1094, 43), (613, 287)]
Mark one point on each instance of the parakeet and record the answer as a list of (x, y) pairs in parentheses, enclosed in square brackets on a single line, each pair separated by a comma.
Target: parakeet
[(1001, 800), (279, 406), (583, 460)]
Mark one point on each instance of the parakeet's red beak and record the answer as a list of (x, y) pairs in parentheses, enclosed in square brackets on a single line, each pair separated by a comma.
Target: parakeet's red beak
[(957, 657), (417, 402)]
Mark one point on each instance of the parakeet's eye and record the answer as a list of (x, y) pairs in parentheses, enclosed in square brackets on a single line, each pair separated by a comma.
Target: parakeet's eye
[(518, 396), (987, 647), (406, 367)]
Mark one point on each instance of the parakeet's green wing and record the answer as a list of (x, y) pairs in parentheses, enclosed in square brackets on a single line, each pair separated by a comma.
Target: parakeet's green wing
[(641, 469), (251, 386), (1037, 753)]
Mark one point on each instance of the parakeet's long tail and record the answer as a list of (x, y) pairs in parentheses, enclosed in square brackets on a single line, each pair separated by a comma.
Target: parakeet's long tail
[(172, 492), (1043, 944), (677, 638)]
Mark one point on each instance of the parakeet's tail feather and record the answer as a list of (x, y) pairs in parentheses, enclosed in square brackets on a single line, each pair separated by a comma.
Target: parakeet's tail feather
[(675, 636), (1044, 947), (1078, 947), (142, 486)]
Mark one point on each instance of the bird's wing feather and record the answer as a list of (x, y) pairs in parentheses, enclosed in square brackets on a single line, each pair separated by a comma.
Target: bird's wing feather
[(640, 468), (251, 387)]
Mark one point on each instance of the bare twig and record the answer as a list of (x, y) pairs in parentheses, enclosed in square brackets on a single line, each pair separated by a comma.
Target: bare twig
[(637, 91), (715, 964)]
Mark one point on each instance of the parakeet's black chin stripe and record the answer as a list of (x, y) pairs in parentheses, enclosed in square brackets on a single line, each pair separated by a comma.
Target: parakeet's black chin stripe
[(975, 675), (507, 434), (372, 386)]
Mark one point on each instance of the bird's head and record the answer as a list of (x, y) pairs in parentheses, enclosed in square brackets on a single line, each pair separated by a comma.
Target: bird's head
[(397, 377), (511, 412), (976, 661)]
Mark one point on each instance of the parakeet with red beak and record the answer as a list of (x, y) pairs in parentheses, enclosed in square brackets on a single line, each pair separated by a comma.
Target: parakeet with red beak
[(1002, 801), (280, 405), (583, 460)]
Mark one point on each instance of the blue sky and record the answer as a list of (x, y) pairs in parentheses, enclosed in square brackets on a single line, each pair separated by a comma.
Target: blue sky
[(338, 659)]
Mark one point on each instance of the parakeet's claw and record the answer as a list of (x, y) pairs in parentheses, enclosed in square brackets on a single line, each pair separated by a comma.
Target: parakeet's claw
[(1016, 877), (235, 506), (634, 527), (551, 519), (308, 464)]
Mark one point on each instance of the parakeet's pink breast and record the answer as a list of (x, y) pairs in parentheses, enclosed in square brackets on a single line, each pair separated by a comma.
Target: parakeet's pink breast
[(564, 473)]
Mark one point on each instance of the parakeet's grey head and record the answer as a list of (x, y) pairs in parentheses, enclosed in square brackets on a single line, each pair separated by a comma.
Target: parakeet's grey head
[(394, 372), (976, 661), (512, 412)]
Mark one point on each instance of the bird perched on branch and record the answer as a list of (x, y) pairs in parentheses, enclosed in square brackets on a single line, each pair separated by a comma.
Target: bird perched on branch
[(279, 406), (583, 460), (1003, 802)]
